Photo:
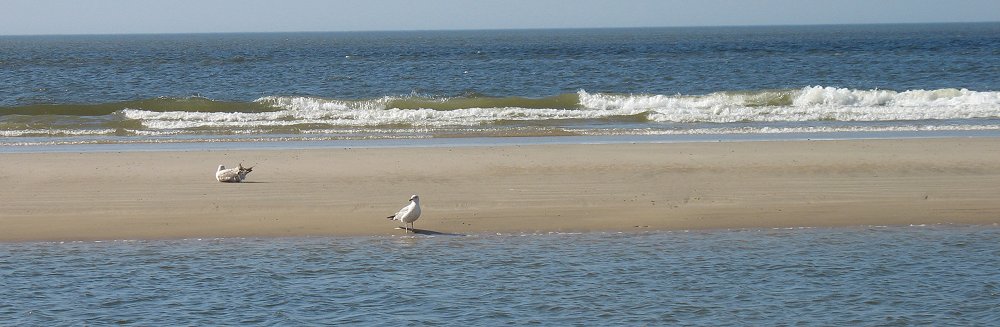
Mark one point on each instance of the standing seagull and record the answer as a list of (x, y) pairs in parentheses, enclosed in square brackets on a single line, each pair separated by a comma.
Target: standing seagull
[(409, 213)]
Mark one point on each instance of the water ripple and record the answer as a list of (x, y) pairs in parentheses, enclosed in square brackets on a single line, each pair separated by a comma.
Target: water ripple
[(930, 275)]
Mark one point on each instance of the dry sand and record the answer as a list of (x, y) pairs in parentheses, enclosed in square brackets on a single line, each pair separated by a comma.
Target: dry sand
[(468, 190)]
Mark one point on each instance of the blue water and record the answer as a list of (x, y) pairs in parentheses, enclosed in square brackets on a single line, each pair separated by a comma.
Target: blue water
[(865, 276), (446, 84), (462, 88), (530, 63)]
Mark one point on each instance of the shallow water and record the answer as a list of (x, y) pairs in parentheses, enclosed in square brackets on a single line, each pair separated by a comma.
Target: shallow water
[(884, 276)]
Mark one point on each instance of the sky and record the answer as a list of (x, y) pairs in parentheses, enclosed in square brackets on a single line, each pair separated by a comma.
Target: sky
[(32, 17)]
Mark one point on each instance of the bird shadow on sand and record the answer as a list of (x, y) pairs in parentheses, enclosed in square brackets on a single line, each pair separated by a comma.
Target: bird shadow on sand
[(427, 232)]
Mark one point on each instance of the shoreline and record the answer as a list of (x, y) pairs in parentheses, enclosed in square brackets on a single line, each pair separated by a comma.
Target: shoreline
[(135, 195), (443, 142), (426, 233)]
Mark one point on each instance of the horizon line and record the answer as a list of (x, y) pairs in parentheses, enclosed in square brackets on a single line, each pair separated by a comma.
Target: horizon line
[(502, 29)]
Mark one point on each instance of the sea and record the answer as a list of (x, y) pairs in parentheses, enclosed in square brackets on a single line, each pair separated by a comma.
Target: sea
[(263, 91), (607, 84)]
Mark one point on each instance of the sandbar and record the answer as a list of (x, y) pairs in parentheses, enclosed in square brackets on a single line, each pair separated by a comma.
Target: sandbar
[(71, 196)]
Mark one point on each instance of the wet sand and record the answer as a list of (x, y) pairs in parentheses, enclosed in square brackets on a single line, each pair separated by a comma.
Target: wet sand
[(505, 189)]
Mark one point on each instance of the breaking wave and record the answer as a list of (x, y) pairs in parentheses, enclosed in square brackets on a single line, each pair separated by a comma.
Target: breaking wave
[(573, 111), (807, 104)]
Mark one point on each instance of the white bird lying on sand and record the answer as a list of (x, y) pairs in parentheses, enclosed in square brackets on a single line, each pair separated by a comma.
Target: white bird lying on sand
[(409, 213), (232, 175)]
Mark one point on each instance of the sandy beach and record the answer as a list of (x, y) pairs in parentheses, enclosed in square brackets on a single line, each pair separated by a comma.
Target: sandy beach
[(539, 188)]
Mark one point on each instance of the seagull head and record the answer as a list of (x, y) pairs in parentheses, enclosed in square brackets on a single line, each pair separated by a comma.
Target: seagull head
[(221, 167), (414, 198)]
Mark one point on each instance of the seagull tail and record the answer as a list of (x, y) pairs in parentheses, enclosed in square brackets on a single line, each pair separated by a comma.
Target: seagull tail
[(393, 217)]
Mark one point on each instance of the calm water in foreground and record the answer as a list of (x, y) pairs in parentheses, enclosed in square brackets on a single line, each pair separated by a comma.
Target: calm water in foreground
[(878, 276)]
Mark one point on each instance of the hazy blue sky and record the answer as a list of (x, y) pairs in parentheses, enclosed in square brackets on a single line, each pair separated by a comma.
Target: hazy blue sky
[(186, 16)]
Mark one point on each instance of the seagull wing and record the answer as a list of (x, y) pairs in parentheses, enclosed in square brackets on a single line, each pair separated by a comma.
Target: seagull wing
[(402, 213)]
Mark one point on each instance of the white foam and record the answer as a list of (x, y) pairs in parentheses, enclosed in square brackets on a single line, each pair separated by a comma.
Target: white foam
[(299, 111), (808, 104), (814, 103), (55, 132)]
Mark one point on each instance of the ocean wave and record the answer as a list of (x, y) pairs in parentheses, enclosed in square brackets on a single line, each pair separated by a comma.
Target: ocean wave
[(302, 114), (375, 112), (56, 132), (814, 103)]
